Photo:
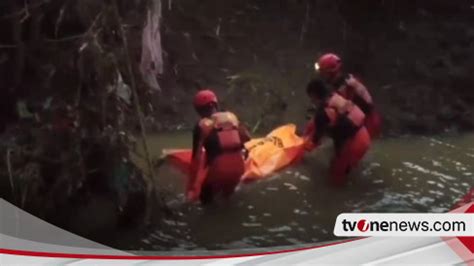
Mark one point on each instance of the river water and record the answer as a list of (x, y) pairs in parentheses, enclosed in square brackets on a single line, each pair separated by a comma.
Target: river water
[(297, 206)]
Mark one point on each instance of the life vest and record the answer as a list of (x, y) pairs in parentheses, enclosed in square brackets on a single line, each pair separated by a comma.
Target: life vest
[(353, 90), (340, 110), (222, 132)]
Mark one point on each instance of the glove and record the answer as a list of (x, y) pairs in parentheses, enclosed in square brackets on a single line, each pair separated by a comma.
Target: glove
[(309, 146), (192, 196)]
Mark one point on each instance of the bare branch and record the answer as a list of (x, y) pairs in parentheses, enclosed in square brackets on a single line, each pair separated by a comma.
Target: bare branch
[(60, 19), (24, 11), (68, 38), (304, 25), (27, 12), (82, 35), (9, 167), (151, 188), (5, 46)]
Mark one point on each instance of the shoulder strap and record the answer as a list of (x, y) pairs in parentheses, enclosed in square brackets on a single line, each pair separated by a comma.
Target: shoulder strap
[(225, 120), (206, 125), (359, 89)]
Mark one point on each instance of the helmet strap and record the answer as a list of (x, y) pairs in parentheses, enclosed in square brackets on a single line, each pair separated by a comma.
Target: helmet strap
[(207, 110)]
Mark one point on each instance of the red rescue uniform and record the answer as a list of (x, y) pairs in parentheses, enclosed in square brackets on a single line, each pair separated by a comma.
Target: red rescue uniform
[(223, 138), (344, 122), (353, 90)]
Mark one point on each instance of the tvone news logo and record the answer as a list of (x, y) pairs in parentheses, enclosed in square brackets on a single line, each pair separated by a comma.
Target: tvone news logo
[(350, 226), (363, 225), (414, 224)]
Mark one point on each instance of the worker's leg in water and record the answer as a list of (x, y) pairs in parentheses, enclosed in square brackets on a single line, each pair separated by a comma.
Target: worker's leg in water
[(339, 169), (360, 146), (231, 171), (349, 156), (224, 175), (207, 193)]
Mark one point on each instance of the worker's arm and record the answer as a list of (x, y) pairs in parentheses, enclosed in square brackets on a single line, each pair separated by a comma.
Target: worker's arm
[(196, 162), (315, 129), (362, 97), (321, 124), (309, 131), (196, 138), (244, 133)]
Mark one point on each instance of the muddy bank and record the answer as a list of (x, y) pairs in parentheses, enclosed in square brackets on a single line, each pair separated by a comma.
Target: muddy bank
[(68, 119), (415, 57)]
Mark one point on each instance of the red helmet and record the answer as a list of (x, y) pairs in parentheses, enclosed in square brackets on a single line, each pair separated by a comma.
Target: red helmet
[(204, 97), (329, 63)]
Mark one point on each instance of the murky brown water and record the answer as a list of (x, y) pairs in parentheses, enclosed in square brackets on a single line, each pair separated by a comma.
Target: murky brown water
[(297, 206)]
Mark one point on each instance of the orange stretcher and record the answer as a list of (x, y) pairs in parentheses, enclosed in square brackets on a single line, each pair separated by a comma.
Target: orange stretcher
[(266, 156)]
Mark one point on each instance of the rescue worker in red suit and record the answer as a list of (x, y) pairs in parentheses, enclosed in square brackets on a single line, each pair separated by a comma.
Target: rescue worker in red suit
[(222, 137), (344, 122), (330, 68)]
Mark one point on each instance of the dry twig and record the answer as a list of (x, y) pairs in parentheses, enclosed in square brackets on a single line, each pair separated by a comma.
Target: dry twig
[(24, 11), (151, 188), (10, 174)]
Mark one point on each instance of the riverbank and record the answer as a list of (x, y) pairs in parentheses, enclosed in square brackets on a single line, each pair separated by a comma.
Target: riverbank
[(414, 57)]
